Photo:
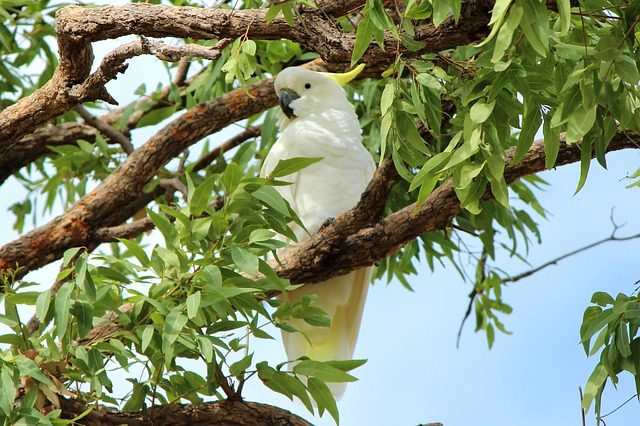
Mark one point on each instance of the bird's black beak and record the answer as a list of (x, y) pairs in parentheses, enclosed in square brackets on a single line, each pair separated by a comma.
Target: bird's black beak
[(286, 97)]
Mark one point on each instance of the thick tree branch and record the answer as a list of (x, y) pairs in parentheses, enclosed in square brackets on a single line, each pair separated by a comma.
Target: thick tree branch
[(35, 145), (119, 196), (77, 27), (330, 254), (208, 413)]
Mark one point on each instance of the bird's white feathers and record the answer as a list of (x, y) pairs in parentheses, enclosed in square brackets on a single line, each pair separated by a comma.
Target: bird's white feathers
[(324, 125)]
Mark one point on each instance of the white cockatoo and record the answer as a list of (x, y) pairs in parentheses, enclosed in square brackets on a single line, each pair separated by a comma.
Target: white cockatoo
[(317, 120)]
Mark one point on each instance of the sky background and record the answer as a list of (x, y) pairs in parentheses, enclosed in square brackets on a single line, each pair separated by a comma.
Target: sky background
[(415, 374)]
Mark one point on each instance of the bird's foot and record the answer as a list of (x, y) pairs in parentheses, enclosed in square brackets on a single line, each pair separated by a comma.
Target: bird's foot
[(327, 222), (374, 224)]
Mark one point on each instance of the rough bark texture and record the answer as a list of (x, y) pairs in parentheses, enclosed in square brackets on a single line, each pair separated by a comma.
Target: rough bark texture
[(211, 413)]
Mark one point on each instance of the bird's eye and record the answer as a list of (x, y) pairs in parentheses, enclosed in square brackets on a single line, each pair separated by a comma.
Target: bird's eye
[(307, 86)]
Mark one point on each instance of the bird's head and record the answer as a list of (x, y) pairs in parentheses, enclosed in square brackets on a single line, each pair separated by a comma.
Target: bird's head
[(303, 92)]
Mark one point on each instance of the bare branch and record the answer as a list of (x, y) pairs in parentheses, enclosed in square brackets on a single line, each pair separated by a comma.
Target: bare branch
[(555, 261), (245, 135), (104, 128), (126, 230)]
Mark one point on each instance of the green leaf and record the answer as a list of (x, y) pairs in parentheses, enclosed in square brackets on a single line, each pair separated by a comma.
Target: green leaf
[(508, 29), (585, 161), (206, 348), (387, 97), (627, 69), (380, 18), (169, 257), (580, 122), (244, 260), (62, 304), (83, 312), (193, 304), (322, 371), (622, 340), (174, 324), (531, 121), (595, 382), (83, 279), (270, 197), (156, 116), (69, 255), (323, 397), (166, 228), (498, 13), (137, 251), (147, 335), (199, 198), (292, 165), (602, 298), (481, 111), (346, 365), (440, 11), (364, 34), (30, 369), (551, 144), (600, 321), (42, 305), (495, 170), (135, 401), (421, 10), (231, 177), (249, 47), (7, 389), (238, 368), (535, 25), (564, 9)]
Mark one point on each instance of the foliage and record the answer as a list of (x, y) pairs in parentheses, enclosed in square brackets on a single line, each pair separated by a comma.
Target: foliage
[(572, 70)]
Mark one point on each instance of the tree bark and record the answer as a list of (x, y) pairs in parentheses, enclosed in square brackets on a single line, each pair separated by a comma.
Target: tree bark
[(209, 413)]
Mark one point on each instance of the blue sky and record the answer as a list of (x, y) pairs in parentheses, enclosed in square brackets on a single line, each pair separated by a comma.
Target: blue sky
[(414, 372)]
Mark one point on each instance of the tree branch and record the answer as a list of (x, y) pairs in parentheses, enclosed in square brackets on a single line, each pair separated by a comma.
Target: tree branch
[(555, 261), (107, 130), (248, 133), (77, 27), (208, 413), (329, 254), (119, 196)]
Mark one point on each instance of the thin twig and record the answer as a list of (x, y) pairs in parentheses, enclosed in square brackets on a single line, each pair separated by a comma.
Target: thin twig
[(126, 230), (224, 384), (176, 184), (618, 407), (612, 237), (582, 410), (248, 133), (181, 72), (482, 263), (106, 129), (475, 292)]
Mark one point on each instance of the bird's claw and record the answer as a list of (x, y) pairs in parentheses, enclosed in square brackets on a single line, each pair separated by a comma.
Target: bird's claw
[(327, 222)]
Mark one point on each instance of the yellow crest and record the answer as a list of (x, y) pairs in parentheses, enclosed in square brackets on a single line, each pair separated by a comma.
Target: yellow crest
[(343, 78)]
